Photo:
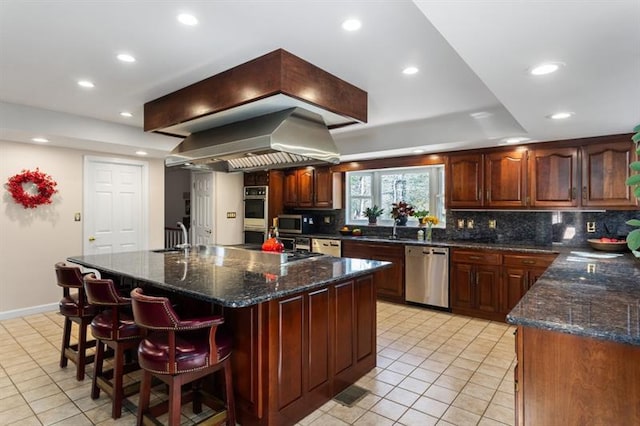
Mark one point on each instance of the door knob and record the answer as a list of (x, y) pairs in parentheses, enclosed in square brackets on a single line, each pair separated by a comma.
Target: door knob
[(92, 238)]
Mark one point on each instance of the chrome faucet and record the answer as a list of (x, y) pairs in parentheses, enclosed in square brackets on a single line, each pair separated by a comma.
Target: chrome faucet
[(185, 244)]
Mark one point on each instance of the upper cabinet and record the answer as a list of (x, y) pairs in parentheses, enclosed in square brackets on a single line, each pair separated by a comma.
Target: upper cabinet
[(605, 167), (554, 177), (584, 173), (495, 179), (312, 187)]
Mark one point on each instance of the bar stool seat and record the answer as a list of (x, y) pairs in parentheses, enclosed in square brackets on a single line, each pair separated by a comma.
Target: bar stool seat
[(75, 309), (180, 352), (115, 328)]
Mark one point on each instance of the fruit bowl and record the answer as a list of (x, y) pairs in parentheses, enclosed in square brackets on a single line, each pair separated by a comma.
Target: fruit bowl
[(614, 246), (346, 231)]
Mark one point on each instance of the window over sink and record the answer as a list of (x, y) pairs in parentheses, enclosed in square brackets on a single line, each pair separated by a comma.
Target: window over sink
[(421, 186)]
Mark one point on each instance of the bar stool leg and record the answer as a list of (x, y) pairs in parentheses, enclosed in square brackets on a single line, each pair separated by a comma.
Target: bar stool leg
[(145, 396), (99, 359), (82, 351), (175, 401), (118, 373), (66, 338), (231, 404)]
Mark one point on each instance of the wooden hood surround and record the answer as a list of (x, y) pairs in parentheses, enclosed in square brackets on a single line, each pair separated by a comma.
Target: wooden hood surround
[(275, 74)]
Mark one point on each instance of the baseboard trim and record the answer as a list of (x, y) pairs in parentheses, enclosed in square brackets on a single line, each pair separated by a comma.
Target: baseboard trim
[(16, 313)]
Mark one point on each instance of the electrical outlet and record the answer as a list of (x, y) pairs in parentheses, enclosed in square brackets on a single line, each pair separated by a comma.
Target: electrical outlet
[(231, 215), (470, 223), (591, 227), (492, 224), (460, 223), (76, 217)]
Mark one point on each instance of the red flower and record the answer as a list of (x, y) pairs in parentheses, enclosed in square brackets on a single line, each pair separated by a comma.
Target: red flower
[(44, 183), (401, 209)]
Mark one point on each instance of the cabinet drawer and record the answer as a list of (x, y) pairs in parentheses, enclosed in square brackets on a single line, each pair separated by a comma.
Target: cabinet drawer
[(529, 260), (372, 251), (476, 257)]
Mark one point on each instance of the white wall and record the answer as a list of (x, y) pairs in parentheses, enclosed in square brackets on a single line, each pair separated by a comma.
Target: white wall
[(228, 199), (33, 240)]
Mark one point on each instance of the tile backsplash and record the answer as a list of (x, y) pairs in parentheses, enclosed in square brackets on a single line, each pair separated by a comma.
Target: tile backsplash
[(511, 227)]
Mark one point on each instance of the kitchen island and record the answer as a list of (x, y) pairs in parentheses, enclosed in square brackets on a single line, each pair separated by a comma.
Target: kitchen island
[(303, 331), (578, 342)]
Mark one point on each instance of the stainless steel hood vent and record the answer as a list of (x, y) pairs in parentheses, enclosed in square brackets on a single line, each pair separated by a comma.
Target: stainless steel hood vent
[(289, 138)]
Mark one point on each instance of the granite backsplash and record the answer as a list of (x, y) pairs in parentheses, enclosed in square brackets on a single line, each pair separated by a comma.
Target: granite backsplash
[(512, 227)]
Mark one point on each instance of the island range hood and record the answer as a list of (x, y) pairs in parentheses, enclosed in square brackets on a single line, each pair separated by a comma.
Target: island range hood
[(293, 137), (272, 112)]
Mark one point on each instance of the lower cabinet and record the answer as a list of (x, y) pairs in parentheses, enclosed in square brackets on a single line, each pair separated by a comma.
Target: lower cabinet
[(389, 281), (291, 355), (521, 271), (564, 379), (475, 283)]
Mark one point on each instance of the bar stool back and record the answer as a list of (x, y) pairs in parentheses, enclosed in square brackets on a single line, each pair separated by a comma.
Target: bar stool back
[(178, 352), (113, 327), (75, 308)]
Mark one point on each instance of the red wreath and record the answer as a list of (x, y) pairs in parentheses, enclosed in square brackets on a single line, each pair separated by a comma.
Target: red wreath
[(45, 184)]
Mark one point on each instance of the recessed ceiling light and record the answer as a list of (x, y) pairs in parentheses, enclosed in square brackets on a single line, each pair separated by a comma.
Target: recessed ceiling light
[(410, 70), (546, 68), (516, 139), (125, 57), (186, 19), (141, 152), (86, 84), (126, 114), (480, 115), (351, 25), (418, 151), (560, 115), (40, 140)]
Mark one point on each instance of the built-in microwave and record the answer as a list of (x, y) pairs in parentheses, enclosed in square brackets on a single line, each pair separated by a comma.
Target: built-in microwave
[(296, 224)]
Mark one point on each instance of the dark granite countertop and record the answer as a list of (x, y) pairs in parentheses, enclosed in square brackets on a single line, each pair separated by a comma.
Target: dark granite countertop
[(585, 296), (230, 282), (524, 247)]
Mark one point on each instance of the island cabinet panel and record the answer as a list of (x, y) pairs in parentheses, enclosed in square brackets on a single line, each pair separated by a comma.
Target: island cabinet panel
[(605, 168), (293, 354), (564, 379), (554, 177), (389, 281)]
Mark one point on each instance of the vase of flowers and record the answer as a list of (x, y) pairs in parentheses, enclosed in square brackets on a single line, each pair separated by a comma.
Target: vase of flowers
[(400, 212), (429, 221)]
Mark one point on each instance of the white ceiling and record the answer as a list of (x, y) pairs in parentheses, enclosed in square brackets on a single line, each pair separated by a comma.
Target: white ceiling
[(472, 90)]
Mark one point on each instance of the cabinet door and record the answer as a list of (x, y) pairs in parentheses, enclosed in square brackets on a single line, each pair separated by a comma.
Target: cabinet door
[(534, 274), (514, 285), (554, 177), (605, 168), (462, 282), (290, 196), (305, 187), (487, 288), (323, 185), (464, 181), (505, 179)]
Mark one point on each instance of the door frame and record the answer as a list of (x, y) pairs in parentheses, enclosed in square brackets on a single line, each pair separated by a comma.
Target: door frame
[(144, 195)]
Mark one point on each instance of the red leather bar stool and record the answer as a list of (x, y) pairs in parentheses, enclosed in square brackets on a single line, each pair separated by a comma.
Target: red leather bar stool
[(75, 308), (113, 327), (179, 352)]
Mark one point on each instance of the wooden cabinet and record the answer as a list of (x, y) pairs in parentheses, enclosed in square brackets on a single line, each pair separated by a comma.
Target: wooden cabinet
[(494, 179), (291, 355), (256, 178), (554, 177), (520, 272), (465, 184), (389, 281), (475, 283), (564, 379), (312, 187), (605, 168)]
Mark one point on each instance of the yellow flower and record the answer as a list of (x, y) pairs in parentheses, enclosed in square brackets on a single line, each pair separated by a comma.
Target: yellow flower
[(430, 220)]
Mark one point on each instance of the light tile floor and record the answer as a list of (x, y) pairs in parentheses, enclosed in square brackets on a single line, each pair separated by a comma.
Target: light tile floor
[(433, 368)]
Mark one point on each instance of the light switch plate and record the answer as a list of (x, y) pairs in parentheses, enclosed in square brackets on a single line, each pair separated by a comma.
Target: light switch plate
[(470, 223), (591, 227), (231, 215), (77, 217), (460, 223), (492, 224)]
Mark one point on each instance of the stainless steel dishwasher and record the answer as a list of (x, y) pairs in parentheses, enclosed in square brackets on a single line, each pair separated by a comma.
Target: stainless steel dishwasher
[(427, 275)]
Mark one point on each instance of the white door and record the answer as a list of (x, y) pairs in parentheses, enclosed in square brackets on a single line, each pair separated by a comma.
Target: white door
[(115, 205), (202, 208)]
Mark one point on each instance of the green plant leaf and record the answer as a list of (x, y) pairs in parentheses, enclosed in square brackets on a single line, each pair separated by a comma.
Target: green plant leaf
[(637, 128), (633, 222), (635, 166), (636, 137), (633, 180), (633, 239), (637, 192)]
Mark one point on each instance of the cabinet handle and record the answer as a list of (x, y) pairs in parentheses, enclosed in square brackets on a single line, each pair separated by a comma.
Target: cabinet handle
[(477, 279), (529, 262), (475, 257), (488, 195), (479, 194), (584, 192), (573, 193)]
